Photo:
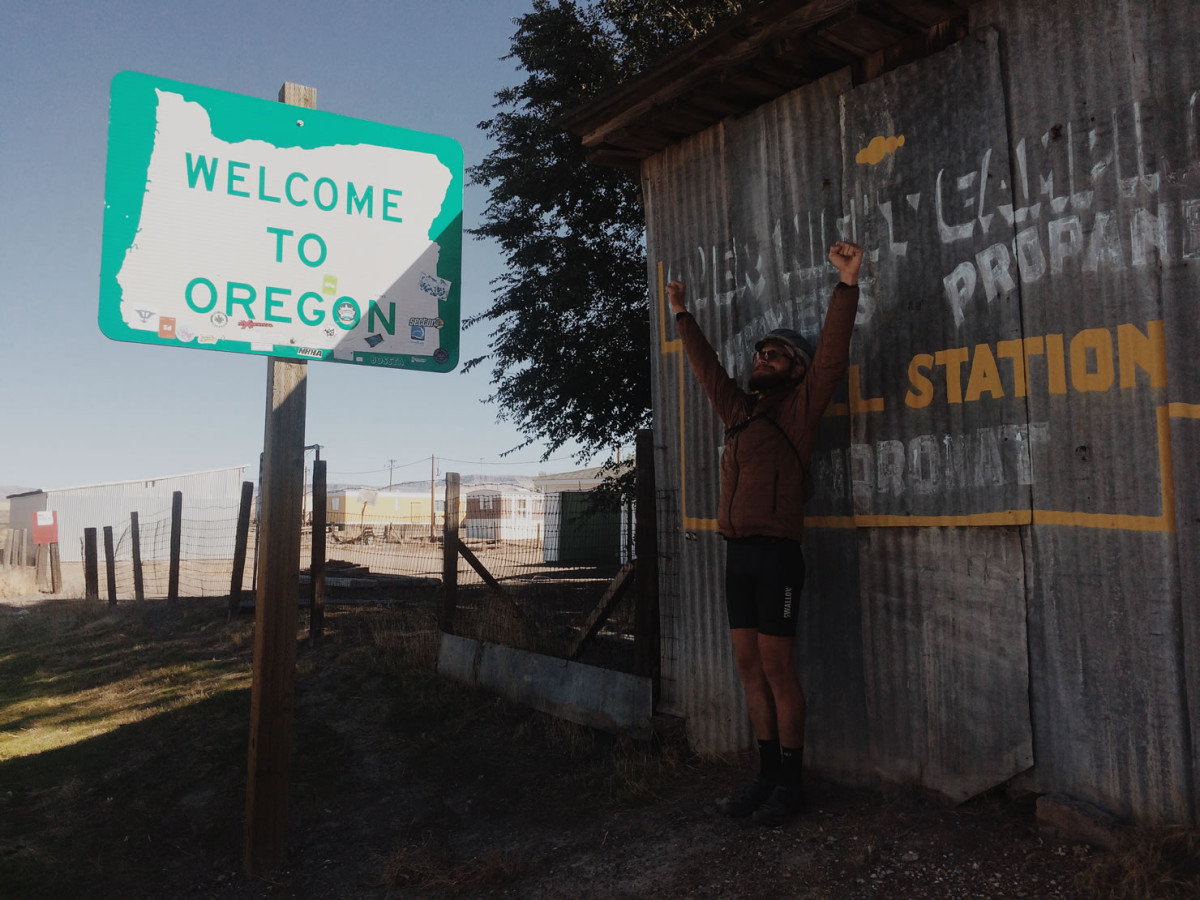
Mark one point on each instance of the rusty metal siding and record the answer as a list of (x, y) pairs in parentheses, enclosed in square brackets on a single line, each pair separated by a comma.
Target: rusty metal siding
[(946, 661), (947, 683), (1006, 526), (1112, 157)]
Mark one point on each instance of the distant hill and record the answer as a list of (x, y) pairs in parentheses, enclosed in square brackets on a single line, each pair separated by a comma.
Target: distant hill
[(408, 487)]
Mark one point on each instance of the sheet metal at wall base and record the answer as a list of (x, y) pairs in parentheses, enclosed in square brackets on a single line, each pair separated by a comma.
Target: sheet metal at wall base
[(1186, 446), (714, 707), (1108, 673), (947, 677), (830, 653)]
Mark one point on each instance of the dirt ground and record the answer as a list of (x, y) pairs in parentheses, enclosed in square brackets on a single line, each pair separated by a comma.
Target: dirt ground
[(405, 785)]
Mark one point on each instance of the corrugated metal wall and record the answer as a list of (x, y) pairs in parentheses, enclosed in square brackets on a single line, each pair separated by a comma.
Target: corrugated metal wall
[(1002, 550)]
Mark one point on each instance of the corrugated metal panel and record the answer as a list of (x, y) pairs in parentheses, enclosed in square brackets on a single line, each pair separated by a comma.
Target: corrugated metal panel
[(926, 150), (1024, 406), (744, 214), (1103, 116), (947, 681)]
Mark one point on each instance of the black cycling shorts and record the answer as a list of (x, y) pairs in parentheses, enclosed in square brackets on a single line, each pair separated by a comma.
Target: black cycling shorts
[(763, 578)]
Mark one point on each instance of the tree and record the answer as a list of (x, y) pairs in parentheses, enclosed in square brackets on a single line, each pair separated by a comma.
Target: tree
[(570, 345)]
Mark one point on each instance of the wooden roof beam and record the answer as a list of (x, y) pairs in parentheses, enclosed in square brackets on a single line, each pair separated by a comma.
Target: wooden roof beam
[(695, 64)]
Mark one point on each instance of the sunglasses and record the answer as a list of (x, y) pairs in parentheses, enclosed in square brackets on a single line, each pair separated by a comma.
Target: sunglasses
[(770, 354)]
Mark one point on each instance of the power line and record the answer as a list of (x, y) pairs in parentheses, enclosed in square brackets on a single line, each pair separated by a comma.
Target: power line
[(470, 462), (528, 462)]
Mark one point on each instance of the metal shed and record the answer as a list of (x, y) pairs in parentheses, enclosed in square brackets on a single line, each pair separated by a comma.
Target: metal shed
[(1003, 566), (579, 528), (210, 509)]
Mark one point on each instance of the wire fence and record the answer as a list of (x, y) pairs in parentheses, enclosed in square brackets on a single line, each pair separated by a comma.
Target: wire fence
[(529, 572), (538, 579)]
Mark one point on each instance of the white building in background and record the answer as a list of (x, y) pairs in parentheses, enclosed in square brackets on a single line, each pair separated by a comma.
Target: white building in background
[(504, 513), (210, 510)]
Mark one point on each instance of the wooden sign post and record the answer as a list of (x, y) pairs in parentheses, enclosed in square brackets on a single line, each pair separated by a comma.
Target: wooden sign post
[(320, 237), (276, 601)]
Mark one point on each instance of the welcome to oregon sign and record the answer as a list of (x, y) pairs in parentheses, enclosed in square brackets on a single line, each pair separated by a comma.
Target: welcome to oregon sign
[(239, 224)]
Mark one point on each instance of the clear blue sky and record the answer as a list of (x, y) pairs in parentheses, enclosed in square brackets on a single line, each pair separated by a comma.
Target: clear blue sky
[(81, 409)]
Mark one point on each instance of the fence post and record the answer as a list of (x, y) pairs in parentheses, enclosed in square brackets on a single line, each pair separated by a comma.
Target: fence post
[(55, 569), (176, 535), (449, 557), (91, 566), (240, 542), (646, 651), (135, 539), (316, 569), (41, 562), (18, 554), (110, 565)]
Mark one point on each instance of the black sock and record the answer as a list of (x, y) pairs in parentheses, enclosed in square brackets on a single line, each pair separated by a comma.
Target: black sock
[(791, 766), (768, 760)]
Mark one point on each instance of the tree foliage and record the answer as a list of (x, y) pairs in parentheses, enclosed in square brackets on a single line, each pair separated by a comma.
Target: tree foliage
[(570, 345)]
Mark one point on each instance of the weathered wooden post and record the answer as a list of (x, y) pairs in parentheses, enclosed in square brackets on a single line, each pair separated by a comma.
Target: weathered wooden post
[(55, 569), (449, 557), (646, 651), (110, 565), (135, 538), (316, 570), (18, 552), (91, 566), (176, 545), (41, 563), (275, 603), (240, 542)]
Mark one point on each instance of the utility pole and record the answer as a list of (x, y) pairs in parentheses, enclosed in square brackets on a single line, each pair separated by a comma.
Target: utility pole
[(391, 465), (432, 499)]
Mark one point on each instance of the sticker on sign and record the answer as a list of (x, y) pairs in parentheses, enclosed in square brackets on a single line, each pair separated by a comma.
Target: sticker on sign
[(317, 242)]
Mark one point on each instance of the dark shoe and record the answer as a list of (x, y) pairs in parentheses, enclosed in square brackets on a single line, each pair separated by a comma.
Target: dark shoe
[(751, 798), (780, 808)]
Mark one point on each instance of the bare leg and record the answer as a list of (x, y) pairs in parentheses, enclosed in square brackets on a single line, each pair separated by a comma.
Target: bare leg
[(747, 655), (777, 666)]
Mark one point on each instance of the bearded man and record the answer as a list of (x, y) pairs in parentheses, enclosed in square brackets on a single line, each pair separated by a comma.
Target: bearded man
[(769, 438)]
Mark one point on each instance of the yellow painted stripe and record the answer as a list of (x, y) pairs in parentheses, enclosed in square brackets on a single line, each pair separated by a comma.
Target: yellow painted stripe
[(1107, 521), (1184, 410), (1006, 517), (690, 523)]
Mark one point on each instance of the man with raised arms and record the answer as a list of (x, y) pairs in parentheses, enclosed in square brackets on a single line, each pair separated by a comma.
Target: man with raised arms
[(770, 431)]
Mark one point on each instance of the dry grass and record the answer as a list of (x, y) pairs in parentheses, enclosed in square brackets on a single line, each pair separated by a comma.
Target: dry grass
[(17, 581), (404, 784), (430, 871), (86, 669), (1152, 864)]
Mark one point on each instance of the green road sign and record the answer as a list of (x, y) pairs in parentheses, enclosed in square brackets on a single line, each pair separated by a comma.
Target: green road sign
[(239, 224)]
